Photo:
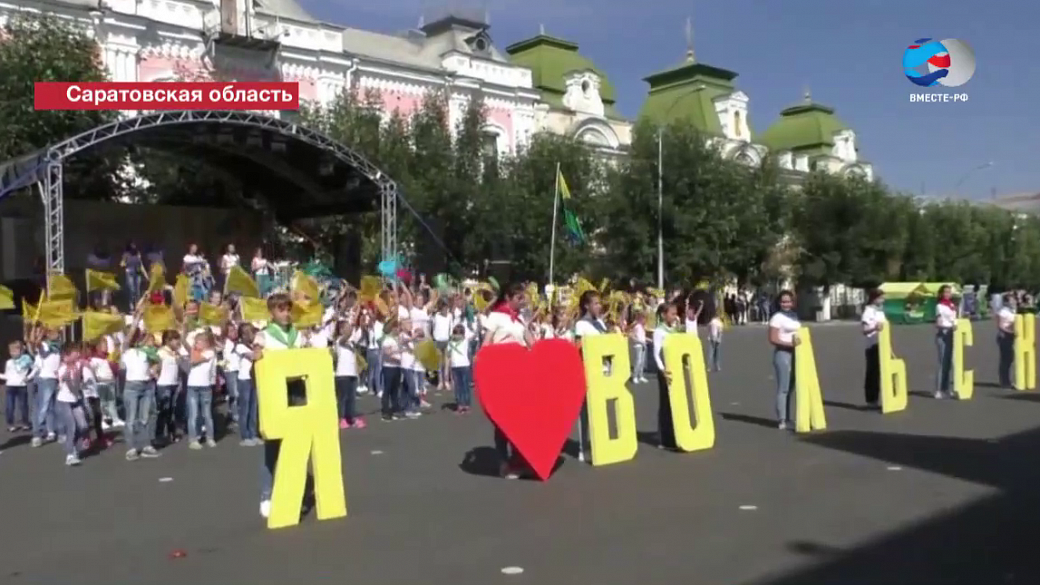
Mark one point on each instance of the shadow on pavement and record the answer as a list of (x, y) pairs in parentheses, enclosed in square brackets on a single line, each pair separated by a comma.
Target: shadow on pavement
[(987, 542)]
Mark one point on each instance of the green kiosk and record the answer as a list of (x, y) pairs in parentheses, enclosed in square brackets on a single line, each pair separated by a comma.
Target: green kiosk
[(913, 302)]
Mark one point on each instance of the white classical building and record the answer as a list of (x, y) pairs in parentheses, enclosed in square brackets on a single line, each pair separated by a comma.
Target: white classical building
[(541, 83), (260, 40)]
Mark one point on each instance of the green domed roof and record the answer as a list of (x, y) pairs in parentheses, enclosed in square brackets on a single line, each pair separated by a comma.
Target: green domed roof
[(804, 126), (550, 60), (688, 92)]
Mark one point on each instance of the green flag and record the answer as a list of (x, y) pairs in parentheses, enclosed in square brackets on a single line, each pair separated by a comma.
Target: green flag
[(570, 220)]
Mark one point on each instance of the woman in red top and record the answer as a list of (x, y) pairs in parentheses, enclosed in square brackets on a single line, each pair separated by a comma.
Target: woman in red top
[(503, 325)]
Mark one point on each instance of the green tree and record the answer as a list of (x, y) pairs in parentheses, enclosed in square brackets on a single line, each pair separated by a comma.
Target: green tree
[(849, 231), (41, 48), (523, 203), (719, 217)]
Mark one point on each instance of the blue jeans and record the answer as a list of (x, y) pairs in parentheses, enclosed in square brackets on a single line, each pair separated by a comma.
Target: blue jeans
[(231, 383), (264, 283), (462, 380), (200, 412), (714, 355), (107, 398), (783, 367), (66, 413), (639, 364), (944, 345), (164, 400), (43, 422), (346, 393), (138, 399), (270, 457), (411, 392), (17, 400), (392, 383), (1006, 345), (248, 414), (133, 288), (374, 359)]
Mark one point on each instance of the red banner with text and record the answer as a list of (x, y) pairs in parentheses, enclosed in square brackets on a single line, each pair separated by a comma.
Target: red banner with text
[(254, 95)]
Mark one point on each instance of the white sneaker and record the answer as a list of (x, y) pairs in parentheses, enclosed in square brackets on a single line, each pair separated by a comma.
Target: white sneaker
[(265, 508), (71, 460), (51, 437), (105, 426), (938, 395), (118, 424), (362, 390), (36, 442)]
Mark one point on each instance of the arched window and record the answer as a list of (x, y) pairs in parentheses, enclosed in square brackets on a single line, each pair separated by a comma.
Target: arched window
[(736, 124)]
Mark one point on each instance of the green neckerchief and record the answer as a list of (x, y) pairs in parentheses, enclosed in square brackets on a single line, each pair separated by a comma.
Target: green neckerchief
[(150, 352), (453, 345), (286, 338), (666, 328)]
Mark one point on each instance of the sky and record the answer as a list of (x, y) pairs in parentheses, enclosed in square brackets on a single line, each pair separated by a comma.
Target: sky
[(847, 52)]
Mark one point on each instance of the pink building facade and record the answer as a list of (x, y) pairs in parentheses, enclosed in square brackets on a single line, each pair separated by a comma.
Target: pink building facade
[(254, 40)]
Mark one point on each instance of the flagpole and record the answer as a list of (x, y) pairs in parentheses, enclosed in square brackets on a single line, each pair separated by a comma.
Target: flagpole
[(552, 237)]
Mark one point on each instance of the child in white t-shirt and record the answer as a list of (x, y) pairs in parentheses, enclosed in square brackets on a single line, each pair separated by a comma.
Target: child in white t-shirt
[(638, 336), (457, 356), (105, 375), (715, 328), (68, 402), (16, 377), (248, 413), (344, 351), (202, 361)]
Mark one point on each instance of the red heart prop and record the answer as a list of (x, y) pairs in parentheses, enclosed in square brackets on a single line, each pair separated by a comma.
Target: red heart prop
[(534, 396)]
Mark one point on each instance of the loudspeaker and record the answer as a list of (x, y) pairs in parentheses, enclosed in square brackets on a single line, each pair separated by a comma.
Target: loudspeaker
[(347, 259)]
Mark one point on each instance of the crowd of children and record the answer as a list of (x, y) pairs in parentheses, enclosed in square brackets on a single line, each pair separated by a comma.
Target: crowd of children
[(157, 386)]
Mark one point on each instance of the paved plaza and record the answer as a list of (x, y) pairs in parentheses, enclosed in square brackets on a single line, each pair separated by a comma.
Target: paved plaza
[(946, 492)]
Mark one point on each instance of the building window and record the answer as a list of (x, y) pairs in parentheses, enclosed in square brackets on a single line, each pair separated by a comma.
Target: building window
[(736, 124), (585, 87), (489, 144)]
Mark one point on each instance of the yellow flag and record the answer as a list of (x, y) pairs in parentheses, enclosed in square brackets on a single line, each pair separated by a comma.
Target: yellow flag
[(6, 298), (370, 286), (60, 286), (97, 324), (381, 306), (603, 284), (561, 185), (304, 284), (159, 318), (51, 313), (212, 314), (97, 280), (180, 291), (156, 278), (238, 281), (305, 315), (254, 309), (428, 355), (361, 362)]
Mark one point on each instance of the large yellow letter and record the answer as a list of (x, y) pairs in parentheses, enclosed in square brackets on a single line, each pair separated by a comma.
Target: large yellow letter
[(1025, 352), (893, 374), (602, 389), (809, 413), (963, 381), (688, 437), (307, 432)]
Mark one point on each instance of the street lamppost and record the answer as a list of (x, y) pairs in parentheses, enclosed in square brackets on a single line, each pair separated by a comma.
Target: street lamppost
[(660, 208)]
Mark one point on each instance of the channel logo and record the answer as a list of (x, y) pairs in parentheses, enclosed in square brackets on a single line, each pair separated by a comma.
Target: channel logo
[(950, 62)]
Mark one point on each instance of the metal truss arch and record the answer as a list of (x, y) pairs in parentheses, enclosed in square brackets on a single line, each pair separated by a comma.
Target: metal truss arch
[(50, 179)]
